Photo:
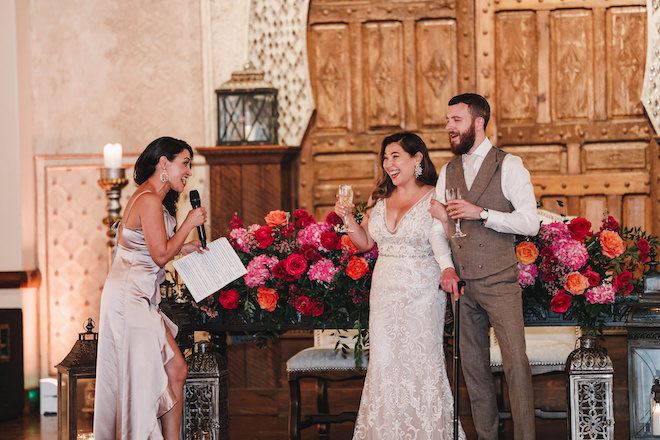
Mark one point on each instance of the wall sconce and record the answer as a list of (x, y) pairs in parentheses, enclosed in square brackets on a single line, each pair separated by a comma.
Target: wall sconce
[(247, 109)]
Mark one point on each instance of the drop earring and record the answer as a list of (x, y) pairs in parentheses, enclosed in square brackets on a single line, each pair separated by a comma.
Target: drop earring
[(163, 176), (418, 170)]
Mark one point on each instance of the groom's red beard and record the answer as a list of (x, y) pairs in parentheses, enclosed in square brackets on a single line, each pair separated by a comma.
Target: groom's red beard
[(466, 143)]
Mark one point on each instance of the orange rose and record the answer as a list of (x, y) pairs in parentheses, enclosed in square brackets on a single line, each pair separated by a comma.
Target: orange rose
[(277, 218), (526, 252), (347, 244), (576, 283), (357, 267), (267, 298), (611, 243)]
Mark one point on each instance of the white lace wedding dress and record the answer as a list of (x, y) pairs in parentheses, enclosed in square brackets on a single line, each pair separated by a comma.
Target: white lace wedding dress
[(406, 393)]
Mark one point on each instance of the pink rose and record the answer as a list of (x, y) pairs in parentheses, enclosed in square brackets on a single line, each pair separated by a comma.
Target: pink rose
[(579, 228), (264, 236)]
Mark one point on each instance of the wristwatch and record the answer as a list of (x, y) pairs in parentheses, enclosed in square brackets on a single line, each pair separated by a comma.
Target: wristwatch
[(483, 215)]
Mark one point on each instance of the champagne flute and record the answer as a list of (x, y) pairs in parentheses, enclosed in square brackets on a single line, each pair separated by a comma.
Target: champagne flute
[(346, 199), (453, 194)]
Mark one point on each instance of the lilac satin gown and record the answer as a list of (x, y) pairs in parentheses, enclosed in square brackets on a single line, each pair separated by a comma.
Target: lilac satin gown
[(132, 388)]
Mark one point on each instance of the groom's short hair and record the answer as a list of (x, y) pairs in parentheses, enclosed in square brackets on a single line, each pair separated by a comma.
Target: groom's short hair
[(477, 105)]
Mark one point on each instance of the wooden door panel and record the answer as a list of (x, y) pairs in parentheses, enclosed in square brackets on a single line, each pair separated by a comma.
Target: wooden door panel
[(330, 60), (383, 76), (626, 54), (436, 70)]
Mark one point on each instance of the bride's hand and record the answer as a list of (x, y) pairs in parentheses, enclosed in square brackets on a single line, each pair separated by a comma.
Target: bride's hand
[(438, 211)]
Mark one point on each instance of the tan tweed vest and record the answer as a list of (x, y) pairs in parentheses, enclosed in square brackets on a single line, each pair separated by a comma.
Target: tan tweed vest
[(483, 251)]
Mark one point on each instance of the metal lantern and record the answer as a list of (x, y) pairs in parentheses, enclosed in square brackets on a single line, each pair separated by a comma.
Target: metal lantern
[(590, 398), (206, 388), (643, 327), (247, 109), (76, 380)]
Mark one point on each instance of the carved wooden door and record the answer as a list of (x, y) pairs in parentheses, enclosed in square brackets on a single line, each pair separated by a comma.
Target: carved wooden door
[(563, 78), (378, 67)]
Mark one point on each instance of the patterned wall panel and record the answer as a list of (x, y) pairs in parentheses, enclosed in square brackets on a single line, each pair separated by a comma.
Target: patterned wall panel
[(572, 64), (626, 52), (330, 61), (517, 69), (277, 44), (72, 250), (435, 70), (383, 75)]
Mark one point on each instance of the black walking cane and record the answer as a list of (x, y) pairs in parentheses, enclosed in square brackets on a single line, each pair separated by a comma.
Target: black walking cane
[(457, 314)]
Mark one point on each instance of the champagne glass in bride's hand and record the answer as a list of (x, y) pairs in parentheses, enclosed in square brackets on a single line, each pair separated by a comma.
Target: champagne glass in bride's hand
[(453, 194), (345, 195)]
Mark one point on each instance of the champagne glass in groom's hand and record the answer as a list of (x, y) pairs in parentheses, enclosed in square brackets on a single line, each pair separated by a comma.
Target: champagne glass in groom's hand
[(453, 194)]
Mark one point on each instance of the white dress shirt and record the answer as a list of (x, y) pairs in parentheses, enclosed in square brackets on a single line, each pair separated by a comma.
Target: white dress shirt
[(517, 189)]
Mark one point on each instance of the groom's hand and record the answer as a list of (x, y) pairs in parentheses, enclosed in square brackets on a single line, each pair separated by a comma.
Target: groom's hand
[(459, 208), (449, 282)]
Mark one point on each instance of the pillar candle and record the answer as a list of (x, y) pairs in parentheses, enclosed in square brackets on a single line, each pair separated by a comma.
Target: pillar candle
[(112, 155), (655, 419)]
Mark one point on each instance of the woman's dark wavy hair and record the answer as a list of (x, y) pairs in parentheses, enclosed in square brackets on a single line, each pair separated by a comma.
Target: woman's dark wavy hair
[(411, 144), (146, 165)]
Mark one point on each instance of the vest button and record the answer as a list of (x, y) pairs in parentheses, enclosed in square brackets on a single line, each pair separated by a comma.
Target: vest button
[(460, 246), (481, 245), (481, 266)]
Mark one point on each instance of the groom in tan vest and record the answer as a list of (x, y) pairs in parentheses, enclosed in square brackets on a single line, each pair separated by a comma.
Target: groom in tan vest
[(497, 203)]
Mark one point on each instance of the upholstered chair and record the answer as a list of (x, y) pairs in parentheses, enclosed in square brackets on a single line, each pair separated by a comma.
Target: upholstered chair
[(322, 363)]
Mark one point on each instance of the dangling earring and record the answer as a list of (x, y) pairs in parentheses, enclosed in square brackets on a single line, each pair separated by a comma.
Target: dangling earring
[(418, 170), (163, 176)]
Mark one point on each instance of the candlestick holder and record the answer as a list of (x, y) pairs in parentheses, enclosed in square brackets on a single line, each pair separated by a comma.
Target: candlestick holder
[(112, 181)]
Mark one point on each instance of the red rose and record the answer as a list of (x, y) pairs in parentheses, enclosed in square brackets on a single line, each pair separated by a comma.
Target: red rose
[(302, 223), (264, 236), (333, 219), (304, 305), (310, 253), (644, 250), (560, 303), (279, 271), (330, 240), (622, 283), (317, 308), (593, 277), (288, 230), (579, 228), (300, 213), (357, 267), (228, 299), (546, 252), (295, 265)]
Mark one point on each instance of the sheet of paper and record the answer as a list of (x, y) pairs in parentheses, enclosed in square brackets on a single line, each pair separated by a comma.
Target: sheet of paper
[(211, 270)]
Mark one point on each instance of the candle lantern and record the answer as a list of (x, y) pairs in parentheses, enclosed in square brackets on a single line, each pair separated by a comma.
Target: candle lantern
[(205, 393), (590, 396), (76, 379), (247, 109), (643, 327)]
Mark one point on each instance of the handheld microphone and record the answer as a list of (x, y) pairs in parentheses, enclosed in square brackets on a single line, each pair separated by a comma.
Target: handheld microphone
[(195, 202)]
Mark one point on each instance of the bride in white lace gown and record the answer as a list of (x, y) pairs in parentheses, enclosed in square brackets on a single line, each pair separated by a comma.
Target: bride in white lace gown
[(406, 393)]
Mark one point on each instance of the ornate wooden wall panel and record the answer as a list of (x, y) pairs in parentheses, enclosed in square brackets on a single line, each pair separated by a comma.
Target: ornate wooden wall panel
[(567, 91), (378, 67)]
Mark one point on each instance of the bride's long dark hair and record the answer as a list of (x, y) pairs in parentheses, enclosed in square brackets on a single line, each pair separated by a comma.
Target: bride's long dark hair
[(411, 144), (145, 166)]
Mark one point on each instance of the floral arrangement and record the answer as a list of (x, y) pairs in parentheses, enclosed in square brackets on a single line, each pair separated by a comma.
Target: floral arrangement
[(575, 271), (297, 267)]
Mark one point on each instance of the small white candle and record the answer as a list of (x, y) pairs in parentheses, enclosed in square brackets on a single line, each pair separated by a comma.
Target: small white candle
[(112, 156), (655, 420)]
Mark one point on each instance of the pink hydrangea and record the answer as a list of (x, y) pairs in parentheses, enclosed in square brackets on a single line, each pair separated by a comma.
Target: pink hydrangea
[(527, 274), (571, 253), (258, 270), (239, 237), (312, 234), (553, 232), (322, 271), (603, 294)]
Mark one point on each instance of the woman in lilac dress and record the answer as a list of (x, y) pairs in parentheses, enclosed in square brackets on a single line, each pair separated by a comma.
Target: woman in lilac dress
[(140, 371)]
